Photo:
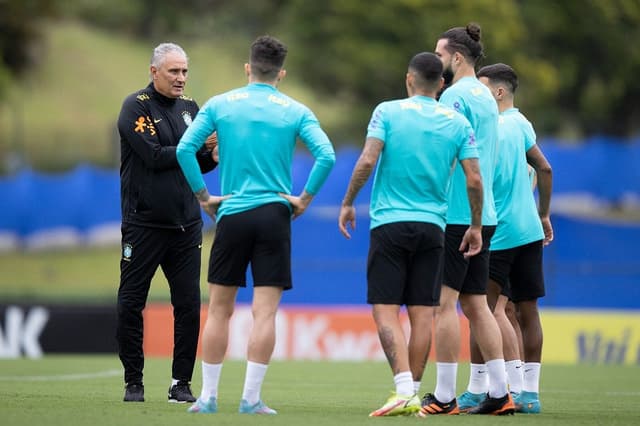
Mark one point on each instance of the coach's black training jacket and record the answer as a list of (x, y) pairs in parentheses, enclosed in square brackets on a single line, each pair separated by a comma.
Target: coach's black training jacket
[(153, 190)]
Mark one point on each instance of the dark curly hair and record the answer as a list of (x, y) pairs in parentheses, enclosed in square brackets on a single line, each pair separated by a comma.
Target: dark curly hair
[(501, 73), (428, 68), (267, 57)]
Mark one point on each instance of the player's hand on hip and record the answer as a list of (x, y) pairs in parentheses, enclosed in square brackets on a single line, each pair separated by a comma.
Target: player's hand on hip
[(471, 241), (347, 217), (298, 204), (212, 204)]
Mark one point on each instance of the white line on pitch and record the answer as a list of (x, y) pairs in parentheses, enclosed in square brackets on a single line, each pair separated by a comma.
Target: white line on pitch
[(62, 377), (594, 391)]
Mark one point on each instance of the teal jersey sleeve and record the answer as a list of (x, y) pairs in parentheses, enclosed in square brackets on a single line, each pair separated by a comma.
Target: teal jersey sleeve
[(467, 140), (474, 101), (191, 141), (376, 128), (518, 220), (318, 143)]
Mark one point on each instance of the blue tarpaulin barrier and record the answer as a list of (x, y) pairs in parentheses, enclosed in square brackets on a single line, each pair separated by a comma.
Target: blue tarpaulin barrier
[(590, 264)]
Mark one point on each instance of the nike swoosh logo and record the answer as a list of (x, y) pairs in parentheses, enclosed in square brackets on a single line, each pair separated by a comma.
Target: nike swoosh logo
[(518, 366), (528, 369), (157, 121), (482, 371)]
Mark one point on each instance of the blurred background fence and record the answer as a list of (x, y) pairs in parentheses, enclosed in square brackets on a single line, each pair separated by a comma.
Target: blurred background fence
[(591, 264)]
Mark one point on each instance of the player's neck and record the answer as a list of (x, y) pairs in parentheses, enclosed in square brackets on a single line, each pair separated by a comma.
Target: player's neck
[(273, 83), (505, 105), (464, 71), (420, 92)]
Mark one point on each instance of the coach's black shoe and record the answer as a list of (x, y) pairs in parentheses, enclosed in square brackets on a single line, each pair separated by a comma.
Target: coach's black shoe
[(496, 406), (134, 392), (181, 392)]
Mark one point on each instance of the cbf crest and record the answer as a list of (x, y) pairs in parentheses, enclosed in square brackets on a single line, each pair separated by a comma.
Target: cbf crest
[(187, 118), (127, 252)]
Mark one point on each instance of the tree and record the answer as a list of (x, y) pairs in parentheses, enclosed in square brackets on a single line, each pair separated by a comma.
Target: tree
[(20, 36), (588, 43), (359, 50)]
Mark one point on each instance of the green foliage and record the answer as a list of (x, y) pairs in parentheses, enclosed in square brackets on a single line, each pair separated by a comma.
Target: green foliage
[(20, 32), (587, 42), (65, 111), (359, 50), (577, 60), (576, 69)]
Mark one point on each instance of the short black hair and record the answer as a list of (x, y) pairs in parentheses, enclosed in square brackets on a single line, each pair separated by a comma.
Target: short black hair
[(267, 57), (500, 73), (465, 40), (427, 67)]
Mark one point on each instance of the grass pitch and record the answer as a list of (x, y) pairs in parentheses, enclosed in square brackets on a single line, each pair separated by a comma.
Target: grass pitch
[(88, 390)]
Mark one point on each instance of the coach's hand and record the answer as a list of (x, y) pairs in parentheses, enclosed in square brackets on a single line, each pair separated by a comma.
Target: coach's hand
[(471, 241)]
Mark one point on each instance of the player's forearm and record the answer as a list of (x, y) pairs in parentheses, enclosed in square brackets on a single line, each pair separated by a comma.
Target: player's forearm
[(190, 168), (320, 171), (475, 194), (359, 177), (545, 183)]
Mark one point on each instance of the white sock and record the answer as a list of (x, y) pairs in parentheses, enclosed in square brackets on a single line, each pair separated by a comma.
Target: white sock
[(478, 379), (531, 377), (447, 373), (514, 375), (497, 378), (253, 381), (210, 380), (416, 387), (404, 383)]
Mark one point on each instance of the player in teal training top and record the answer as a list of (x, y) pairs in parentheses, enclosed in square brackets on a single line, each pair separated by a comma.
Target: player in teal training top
[(257, 128), (518, 220), (516, 270), (473, 100), (414, 142), (408, 184), (465, 278)]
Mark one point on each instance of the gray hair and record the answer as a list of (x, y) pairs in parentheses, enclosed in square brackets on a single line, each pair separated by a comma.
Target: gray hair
[(161, 51)]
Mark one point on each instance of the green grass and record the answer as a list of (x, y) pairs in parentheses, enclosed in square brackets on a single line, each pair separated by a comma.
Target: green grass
[(82, 274), (45, 391)]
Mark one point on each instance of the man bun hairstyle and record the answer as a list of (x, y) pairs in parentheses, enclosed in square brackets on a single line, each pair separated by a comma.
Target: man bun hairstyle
[(267, 57), (473, 30), (500, 73), (465, 40)]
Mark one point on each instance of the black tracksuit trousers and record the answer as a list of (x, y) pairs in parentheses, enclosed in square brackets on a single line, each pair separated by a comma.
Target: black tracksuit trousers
[(178, 253)]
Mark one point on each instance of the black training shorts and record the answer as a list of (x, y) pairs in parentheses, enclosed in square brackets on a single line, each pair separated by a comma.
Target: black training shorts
[(405, 264), (260, 237), (467, 276), (519, 271)]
